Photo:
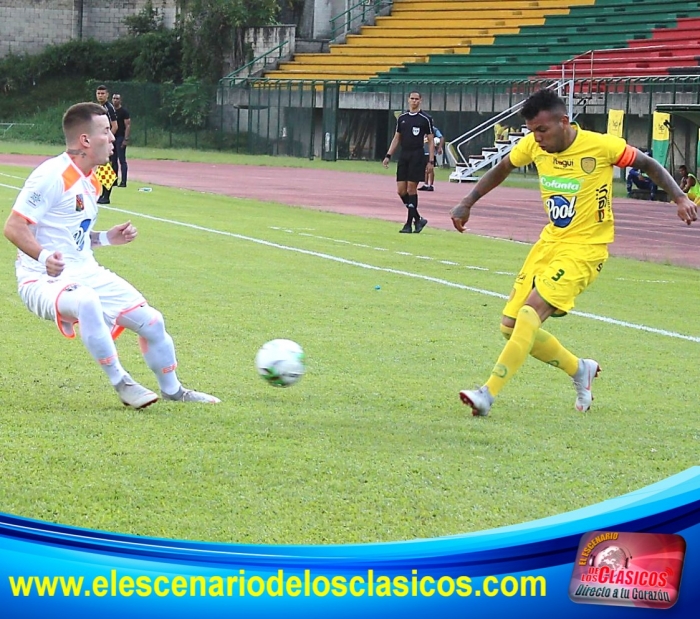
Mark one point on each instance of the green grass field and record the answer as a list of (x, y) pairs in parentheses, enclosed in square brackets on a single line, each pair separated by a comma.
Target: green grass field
[(373, 444)]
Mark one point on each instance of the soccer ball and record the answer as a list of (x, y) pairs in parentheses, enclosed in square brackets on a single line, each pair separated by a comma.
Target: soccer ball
[(280, 362)]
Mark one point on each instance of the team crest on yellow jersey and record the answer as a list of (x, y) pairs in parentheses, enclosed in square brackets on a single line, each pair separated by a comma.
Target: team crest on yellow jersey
[(588, 164)]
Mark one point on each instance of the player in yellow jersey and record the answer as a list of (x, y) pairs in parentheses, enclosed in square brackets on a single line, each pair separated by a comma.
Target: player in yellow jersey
[(576, 172)]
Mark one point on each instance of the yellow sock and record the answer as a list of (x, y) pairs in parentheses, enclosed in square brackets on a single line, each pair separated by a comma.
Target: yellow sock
[(549, 349), (516, 349)]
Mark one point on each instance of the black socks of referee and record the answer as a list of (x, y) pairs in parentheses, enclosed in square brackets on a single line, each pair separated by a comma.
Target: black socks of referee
[(411, 202)]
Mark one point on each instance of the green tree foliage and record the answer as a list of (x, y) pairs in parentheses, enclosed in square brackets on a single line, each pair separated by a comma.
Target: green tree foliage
[(113, 61), (159, 50), (212, 29), (188, 104), (160, 57)]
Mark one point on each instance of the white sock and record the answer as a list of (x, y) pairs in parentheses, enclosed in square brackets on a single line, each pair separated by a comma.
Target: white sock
[(84, 304), (156, 345)]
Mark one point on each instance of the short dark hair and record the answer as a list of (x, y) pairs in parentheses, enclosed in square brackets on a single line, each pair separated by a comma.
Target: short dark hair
[(417, 92), (79, 115), (545, 100), (682, 167), (102, 87)]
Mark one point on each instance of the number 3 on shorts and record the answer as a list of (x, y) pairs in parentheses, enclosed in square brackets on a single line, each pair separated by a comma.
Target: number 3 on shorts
[(558, 275)]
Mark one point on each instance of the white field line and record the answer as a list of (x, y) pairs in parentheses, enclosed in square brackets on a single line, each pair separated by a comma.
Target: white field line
[(399, 253), (8, 186), (20, 178), (427, 278), (362, 265)]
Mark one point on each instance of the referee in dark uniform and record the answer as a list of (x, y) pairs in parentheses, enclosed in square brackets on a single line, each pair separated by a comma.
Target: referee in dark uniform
[(412, 127), (102, 96)]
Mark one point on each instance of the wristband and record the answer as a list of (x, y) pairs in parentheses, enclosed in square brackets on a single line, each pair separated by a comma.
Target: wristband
[(44, 255), (102, 239), (432, 162), (388, 156)]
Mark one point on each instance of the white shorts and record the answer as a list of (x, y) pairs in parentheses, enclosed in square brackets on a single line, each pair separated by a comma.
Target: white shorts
[(117, 297)]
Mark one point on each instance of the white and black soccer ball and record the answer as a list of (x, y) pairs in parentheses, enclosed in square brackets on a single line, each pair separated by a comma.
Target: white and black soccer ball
[(280, 362)]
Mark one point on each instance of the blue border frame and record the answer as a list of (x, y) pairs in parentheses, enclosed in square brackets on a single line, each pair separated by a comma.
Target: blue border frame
[(545, 547)]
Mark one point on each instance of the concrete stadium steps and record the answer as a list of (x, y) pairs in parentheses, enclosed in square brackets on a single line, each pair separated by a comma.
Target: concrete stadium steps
[(438, 5), (491, 25), (493, 8), (452, 31), (433, 42), (426, 16), (453, 26), (412, 49), (380, 56), (337, 74)]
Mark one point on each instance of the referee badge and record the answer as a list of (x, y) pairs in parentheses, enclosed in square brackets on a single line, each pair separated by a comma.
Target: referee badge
[(588, 164)]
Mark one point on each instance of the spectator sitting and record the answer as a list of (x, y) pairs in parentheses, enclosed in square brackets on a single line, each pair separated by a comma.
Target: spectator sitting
[(689, 184), (640, 180), (501, 131)]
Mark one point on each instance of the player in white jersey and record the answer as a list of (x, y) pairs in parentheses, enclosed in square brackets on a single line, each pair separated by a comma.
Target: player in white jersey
[(52, 225)]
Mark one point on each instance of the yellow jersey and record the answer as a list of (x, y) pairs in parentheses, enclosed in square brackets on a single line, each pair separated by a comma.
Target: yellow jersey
[(576, 185)]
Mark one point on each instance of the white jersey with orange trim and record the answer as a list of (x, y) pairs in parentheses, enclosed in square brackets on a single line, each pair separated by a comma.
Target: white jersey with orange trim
[(60, 204)]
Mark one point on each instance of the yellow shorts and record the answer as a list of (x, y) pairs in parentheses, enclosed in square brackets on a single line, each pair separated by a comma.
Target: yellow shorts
[(559, 271)]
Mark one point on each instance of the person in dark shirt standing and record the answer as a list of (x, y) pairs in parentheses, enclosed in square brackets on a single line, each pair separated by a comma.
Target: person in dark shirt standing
[(412, 128), (121, 139), (102, 96)]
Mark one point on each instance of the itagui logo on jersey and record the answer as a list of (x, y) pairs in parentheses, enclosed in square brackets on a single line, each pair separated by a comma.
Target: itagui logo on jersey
[(561, 207)]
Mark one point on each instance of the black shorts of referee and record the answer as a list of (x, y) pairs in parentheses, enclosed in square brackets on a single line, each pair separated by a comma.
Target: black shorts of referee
[(411, 166)]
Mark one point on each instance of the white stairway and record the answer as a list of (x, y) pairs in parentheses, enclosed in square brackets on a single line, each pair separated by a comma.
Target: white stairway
[(489, 157)]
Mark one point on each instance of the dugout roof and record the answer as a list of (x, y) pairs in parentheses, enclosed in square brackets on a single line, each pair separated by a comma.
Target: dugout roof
[(690, 112)]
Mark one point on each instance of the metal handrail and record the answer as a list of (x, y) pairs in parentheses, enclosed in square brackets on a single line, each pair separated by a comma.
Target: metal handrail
[(454, 147), (234, 74), (582, 56), (530, 83), (370, 8)]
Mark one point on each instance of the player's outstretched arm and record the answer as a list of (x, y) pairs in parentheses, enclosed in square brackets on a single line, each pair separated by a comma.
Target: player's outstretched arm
[(493, 178), (687, 211)]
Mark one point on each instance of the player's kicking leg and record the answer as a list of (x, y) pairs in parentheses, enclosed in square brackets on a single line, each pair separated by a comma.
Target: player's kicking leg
[(78, 303), (159, 353)]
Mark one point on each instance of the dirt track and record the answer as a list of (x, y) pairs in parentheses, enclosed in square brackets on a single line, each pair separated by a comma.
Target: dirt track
[(644, 230)]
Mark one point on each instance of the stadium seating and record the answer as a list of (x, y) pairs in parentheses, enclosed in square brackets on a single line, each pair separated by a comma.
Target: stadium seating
[(417, 29), (669, 51), (607, 24), (457, 40)]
